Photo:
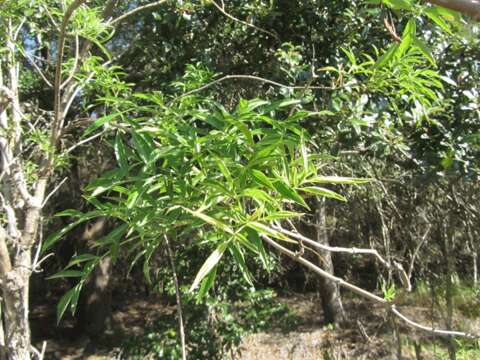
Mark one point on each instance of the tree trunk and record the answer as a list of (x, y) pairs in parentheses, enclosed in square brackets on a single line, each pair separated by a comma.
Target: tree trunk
[(475, 268), (95, 308), (448, 241), (15, 310), (96, 299), (329, 290)]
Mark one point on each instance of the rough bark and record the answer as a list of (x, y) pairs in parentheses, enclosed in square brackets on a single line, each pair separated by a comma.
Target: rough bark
[(329, 290), (15, 299)]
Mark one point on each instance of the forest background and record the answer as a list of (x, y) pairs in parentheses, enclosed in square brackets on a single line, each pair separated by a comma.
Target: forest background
[(213, 154)]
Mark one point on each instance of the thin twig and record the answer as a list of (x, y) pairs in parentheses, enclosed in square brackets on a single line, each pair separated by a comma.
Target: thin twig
[(417, 249), (50, 16), (179, 303), (231, 17), (19, 28), (136, 10), (53, 192), (37, 69), (84, 141)]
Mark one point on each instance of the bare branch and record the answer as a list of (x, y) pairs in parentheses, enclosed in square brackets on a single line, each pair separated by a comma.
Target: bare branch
[(323, 273), (19, 28), (316, 244), (417, 249), (231, 17), (136, 10), (364, 293), (37, 69), (84, 141), (53, 191), (50, 16), (431, 329), (178, 298), (254, 78)]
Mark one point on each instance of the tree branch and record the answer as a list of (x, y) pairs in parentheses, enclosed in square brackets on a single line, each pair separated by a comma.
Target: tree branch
[(178, 298), (75, 64), (316, 244), (136, 10), (364, 293), (231, 17), (58, 112), (253, 78)]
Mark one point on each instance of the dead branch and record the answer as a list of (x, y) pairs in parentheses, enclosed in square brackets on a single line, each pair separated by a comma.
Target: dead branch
[(362, 292)]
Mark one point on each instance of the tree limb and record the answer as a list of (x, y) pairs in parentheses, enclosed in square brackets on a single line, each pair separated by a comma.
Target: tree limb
[(231, 17), (364, 293), (136, 10), (254, 78), (58, 112)]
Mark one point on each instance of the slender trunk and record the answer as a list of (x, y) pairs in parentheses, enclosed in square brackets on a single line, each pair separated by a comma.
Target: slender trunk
[(397, 339), (179, 301), (448, 239), (475, 268), (329, 290)]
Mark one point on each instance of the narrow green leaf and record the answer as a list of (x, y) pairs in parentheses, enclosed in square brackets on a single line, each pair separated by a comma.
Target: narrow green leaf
[(288, 192), (386, 57), (434, 14), (120, 151), (258, 195), (207, 283), (237, 254), (264, 229), (209, 264), (100, 122), (52, 239), (338, 180), (323, 192), (80, 259), (409, 34), (66, 274), (262, 179), (211, 221), (63, 304), (399, 4), (420, 45)]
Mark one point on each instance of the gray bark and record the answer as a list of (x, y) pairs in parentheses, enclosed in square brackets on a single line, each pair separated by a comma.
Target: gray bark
[(329, 290)]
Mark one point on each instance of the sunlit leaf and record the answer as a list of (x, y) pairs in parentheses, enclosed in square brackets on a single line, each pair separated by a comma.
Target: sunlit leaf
[(209, 264)]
